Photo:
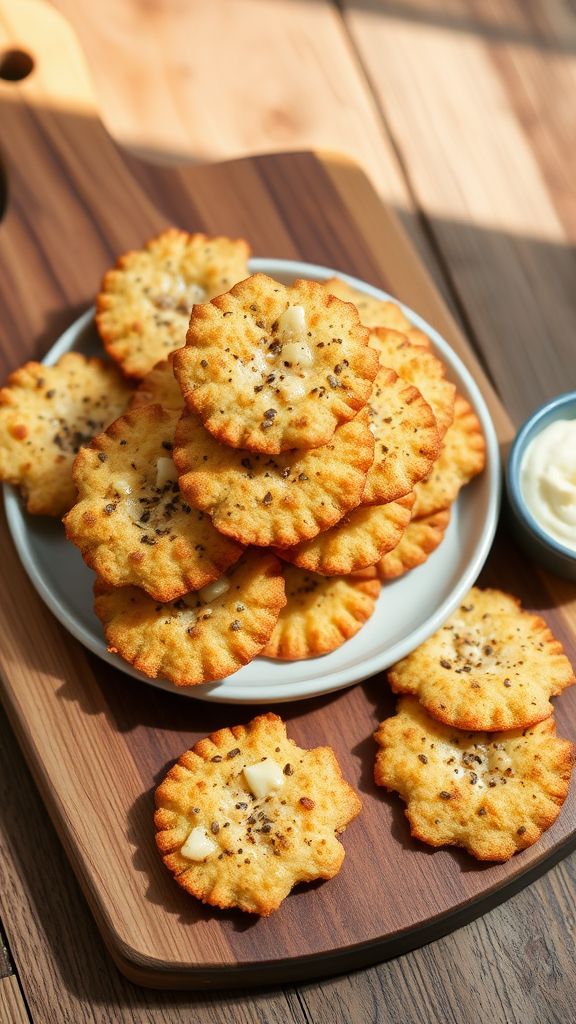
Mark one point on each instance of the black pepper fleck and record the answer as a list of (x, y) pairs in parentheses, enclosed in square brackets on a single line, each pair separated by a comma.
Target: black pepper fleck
[(306, 802)]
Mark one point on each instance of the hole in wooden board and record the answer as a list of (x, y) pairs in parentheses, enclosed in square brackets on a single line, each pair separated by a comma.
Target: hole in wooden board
[(15, 65)]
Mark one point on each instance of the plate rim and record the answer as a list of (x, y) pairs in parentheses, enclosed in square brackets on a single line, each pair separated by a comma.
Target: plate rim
[(251, 693)]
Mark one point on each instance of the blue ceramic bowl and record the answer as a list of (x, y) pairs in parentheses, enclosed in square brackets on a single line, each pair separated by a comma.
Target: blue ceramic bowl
[(538, 544)]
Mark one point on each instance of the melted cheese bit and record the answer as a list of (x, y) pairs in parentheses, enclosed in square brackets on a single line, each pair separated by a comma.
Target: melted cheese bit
[(198, 845), (122, 487), (188, 618), (175, 293), (213, 590), (292, 323), (297, 352), (264, 778), (292, 330), (499, 759), (256, 367), (293, 388), (166, 471)]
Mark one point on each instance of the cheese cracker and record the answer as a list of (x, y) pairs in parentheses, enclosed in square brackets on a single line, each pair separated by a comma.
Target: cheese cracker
[(359, 540), (273, 499), (269, 367), (490, 666), (202, 636), (419, 367), (492, 793), (463, 456), (131, 522), (420, 538), (46, 414), (144, 305), (160, 387), (406, 436), (320, 613), (246, 815)]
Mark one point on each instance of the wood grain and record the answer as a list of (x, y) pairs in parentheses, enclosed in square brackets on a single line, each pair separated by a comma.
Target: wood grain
[(75, 980), (475, 97), (194, 101), (172, 102), (53, 689), (342, 988), (522, 972), (12, 1006)]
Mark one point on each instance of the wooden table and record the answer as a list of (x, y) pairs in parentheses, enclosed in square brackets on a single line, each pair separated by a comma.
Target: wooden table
[(461, 113)]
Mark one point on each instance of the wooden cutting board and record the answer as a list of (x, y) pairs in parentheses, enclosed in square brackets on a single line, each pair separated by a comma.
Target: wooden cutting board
[(98, 741)]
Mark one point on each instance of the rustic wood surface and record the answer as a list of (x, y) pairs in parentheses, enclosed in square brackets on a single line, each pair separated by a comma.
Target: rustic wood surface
[(517, 960)]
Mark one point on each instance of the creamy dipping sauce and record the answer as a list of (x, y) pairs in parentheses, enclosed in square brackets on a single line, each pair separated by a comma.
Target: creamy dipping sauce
[(548, 480)]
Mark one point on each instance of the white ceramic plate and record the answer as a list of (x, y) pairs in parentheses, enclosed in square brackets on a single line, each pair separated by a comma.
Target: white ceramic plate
[(408, 610)]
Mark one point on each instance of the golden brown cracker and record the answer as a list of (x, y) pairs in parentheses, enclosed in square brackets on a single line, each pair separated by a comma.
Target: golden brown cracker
[(320, 614), (419, 367), (420, 538), (280, 499), (159, 387), (257, 846), (492, 793), (373, 312), (144, 305), (416, 336), (359, 540), (463, 456), (269, 367), (490, 666), (131, 522), (46, 414), (202, 636), (406, 436)]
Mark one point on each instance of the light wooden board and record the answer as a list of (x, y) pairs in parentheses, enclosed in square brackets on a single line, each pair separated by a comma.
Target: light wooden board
[(477, 100), (196, 103), (12, 1006), (170, 101), (88, 730)]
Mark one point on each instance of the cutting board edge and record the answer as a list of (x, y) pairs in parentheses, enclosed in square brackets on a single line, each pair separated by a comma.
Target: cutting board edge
[(148, 973)]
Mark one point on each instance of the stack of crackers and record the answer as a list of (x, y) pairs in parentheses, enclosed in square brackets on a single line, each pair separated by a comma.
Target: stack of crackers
[(256, 460), (285, 450), (472, 749)]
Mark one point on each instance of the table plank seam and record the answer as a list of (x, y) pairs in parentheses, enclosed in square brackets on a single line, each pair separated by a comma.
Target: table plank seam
[(419, 213)]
